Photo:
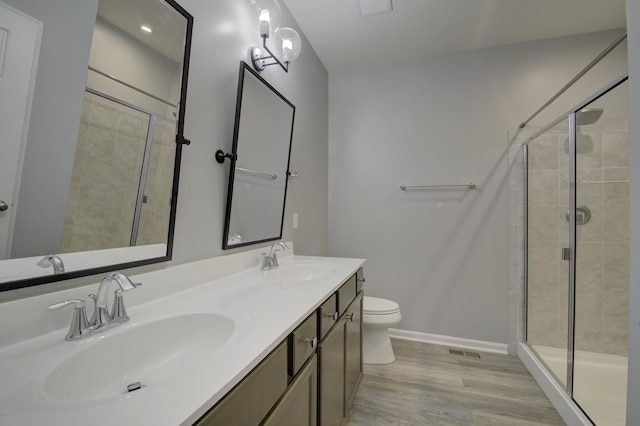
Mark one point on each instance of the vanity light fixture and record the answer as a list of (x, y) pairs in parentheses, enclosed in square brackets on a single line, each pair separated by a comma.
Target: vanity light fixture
[(266, 15)]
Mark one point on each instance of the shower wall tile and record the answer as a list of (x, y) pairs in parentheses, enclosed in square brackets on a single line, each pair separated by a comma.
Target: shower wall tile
[(616, 224), (616, 335), (543, 156), (107, 164), (544, 292), (543, 223), (129, 150), (133, 124), (104, 115), (616, 193), (616, 261), (589, 150), (544, 328), (615, 298), (616, 149), (543, 187), (589, 262), (101, 146)]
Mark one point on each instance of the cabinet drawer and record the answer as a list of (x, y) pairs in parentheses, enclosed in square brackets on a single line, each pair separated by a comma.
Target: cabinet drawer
[(302, 343), (252, 399), (360, 280), (346, 294), (327, 315)]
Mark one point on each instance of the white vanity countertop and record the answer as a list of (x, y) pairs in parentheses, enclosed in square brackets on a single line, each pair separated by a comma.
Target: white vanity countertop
[(265, 311)]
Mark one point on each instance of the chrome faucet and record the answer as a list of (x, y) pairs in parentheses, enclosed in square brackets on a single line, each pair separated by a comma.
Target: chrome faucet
[(118, 314), (54, 261), (101, 320), (270, 261)]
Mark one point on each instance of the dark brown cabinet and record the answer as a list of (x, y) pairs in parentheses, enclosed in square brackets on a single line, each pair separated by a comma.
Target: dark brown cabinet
[(310, 379)]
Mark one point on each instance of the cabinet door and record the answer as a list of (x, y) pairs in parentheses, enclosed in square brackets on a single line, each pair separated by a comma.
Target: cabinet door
[(331, 377), (353, 352), (298, 406), (250, 401)]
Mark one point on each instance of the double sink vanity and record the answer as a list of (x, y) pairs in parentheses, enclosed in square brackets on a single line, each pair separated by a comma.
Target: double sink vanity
[(213, 342)]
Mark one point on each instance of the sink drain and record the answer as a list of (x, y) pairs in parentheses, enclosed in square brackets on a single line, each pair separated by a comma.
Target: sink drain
[(134, 386)]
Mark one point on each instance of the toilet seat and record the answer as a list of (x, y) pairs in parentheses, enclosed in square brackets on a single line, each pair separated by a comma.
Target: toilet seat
[(378, 306)]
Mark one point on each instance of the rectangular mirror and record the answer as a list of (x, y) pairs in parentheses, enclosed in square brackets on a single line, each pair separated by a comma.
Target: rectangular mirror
[(97, 184), (260, 162)]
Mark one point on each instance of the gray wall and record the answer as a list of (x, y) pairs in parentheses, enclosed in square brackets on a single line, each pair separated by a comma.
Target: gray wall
[(55, 118), (442, 255), (222, 35), (633, 409)]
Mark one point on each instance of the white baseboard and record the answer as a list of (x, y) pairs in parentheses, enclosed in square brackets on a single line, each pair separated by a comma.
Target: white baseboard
[(455, 342)]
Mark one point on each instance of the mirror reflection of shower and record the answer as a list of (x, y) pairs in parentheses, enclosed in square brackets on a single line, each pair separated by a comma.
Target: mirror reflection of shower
[(120, 189)]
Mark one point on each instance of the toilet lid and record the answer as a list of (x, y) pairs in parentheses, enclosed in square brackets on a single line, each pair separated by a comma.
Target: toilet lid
[(378, 306)]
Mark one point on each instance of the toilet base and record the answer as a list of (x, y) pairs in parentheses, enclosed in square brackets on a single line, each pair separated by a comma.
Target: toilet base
[(376, 346)]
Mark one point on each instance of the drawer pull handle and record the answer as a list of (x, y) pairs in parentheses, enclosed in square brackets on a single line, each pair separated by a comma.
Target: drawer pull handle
[(312, 342), (333, 316), (363, 279), (350, 316)]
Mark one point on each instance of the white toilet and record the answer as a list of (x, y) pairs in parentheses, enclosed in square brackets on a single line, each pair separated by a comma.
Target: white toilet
[(378, 315)]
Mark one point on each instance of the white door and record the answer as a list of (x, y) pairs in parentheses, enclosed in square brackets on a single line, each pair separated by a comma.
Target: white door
[(19, 47)]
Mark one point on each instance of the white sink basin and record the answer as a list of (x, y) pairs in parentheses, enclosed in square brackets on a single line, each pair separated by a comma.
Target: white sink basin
[(153, 353), (302, 271)]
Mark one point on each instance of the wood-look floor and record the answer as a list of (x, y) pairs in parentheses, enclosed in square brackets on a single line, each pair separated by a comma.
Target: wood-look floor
[(426, 385)]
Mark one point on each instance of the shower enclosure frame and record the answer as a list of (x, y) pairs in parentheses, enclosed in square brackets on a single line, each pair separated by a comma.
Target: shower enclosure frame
[(563, 393)]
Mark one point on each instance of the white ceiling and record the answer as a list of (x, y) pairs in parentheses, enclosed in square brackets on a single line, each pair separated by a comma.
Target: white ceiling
[(168, 25), (420, 28)]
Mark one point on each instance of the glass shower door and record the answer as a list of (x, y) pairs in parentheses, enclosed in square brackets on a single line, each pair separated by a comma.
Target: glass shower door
[(602, 257), (547, 274), (578, 252)]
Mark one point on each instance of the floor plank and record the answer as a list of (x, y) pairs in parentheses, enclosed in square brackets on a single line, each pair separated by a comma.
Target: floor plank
[(427, 385)]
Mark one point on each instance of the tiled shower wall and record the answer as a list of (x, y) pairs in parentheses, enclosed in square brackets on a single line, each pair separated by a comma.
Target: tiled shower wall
[(602, 258), (106, 175)]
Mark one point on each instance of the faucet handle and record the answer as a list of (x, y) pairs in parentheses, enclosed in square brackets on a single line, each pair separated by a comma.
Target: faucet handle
[(274, 260), (118, 311), (266, 262), (77, 303), (79, 323)]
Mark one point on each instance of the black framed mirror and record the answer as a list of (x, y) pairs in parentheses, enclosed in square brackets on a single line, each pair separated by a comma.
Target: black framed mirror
[(115, 185), (260, 157)]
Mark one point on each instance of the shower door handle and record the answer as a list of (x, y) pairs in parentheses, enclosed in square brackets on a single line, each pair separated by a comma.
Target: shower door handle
[(566, 253)]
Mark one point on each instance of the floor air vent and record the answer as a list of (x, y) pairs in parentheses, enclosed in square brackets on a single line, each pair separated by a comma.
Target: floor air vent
[(460, 352)]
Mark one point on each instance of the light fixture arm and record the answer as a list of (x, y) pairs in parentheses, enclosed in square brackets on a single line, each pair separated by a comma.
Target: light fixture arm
[(259, 61)]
